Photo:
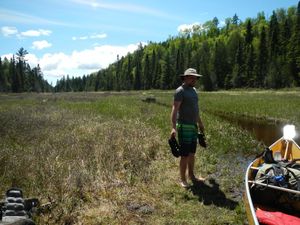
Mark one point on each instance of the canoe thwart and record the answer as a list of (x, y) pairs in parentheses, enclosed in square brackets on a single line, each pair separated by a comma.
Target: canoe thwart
[(275, 187)]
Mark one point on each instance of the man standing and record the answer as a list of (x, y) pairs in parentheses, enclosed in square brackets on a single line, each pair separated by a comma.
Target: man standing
[(186, 122)]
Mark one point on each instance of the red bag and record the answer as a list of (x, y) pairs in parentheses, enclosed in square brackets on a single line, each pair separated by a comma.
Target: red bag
[(276, 218)]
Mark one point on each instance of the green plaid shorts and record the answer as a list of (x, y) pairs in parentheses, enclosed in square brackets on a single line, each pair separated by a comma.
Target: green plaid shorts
[(187, 137)]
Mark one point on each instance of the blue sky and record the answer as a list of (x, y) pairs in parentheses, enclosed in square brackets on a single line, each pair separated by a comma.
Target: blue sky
[(77, 37)]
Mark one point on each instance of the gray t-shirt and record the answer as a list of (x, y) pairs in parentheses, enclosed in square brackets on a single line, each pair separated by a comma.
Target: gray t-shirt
[(188, 111)]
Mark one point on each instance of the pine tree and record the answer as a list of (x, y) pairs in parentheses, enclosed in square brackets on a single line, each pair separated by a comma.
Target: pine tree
[(137, 76), (235, 20), (238, 74), (138, 68), (294, 49), (21, 64), (204, 67), (166, 72), (220, 64), (273, 78), (118, 74), (285, 34), (2, 81), (249, 56), (154, 68), (6, 77), (258, 53), (249, 33), (15, 79), (38, 79), (232, 46), (262, 60), (128, 75), (147, 73), (273, 37)]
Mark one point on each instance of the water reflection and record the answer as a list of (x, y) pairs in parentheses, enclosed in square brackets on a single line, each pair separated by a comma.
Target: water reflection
[(265, 131)]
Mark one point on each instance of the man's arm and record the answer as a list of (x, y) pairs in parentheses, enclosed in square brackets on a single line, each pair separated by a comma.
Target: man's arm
[(200, 124), (174, 112)]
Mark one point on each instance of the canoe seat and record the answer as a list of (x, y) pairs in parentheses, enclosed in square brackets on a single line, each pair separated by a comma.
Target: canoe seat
[(275, 217)]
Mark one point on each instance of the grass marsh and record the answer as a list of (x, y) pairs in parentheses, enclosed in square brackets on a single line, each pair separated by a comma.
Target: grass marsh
[(102, 158)]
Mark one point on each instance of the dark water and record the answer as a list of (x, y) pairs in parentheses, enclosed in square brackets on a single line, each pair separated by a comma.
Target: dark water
[(265, 131)]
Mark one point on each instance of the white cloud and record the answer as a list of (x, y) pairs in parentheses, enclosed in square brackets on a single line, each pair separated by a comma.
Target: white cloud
[(83, 38), (7, 56), (188, 28), (222, 23), (8, 31), (94, 36), (41, 44), (32, 60), (13, 31), (11, 16), (36, 33), (98, 36), (100, 56), (55, 62), (83, 62), (124, 7), (78, 63)]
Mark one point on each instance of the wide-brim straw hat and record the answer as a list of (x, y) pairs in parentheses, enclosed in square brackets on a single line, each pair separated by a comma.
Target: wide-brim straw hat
[(190, 72)]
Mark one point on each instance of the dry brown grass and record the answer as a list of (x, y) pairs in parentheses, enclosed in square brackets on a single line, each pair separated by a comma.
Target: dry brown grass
[(84, 164), (100, 158)]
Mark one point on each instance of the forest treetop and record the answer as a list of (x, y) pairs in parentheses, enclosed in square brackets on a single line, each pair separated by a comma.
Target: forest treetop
[(258, 52)]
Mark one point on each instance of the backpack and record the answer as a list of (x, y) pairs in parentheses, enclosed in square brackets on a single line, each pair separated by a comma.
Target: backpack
[(282, 174)]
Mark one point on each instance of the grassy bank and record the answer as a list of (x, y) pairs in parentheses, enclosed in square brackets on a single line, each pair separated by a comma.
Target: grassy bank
[(269, 105), (102, 158)]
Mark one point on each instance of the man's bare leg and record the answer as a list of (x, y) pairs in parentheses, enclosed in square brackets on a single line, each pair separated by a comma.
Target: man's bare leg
[(183, 167), (191, 164)]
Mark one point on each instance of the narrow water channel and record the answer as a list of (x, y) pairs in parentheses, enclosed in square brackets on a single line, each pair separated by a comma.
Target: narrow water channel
[(265, 131)]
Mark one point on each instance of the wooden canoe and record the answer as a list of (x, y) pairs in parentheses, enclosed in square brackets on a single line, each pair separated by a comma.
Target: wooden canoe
[(287, 149)]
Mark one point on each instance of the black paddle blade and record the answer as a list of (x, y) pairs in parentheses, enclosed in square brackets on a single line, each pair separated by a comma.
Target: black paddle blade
[(201, 140), (174, 146)]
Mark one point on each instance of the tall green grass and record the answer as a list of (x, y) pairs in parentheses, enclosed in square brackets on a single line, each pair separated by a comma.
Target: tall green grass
[(267, 105), (103, 158)]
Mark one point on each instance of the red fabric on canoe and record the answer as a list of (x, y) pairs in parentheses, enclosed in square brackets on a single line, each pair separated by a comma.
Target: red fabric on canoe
[(276, 218)]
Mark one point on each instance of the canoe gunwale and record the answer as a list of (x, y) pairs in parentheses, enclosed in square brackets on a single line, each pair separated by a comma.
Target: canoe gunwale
[(253, 166), (249, 199)]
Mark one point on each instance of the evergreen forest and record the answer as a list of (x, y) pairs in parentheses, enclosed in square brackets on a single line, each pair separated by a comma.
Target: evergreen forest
[(17, 76), (259, 52)]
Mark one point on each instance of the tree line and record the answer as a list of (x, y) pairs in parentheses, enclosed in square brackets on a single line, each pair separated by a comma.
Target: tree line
[(256, 53), (17, 76)]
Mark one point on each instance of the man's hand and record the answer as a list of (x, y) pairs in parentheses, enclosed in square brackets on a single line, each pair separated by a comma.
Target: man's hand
[(173, 133)]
